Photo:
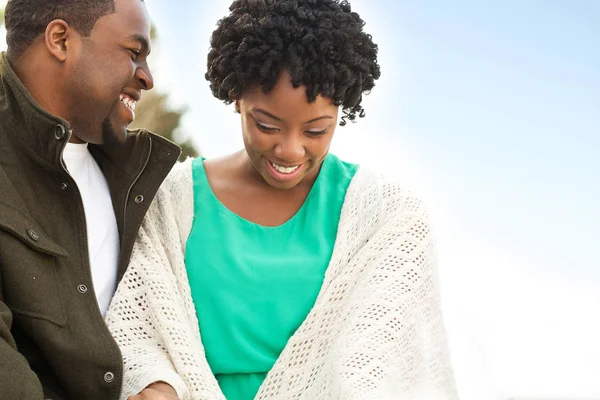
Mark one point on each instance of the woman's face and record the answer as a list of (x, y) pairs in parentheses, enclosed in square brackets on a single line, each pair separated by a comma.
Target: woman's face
[(285, 136)]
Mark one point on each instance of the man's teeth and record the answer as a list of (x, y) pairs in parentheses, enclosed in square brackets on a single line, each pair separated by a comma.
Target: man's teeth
[(284, 170), (128, 101)]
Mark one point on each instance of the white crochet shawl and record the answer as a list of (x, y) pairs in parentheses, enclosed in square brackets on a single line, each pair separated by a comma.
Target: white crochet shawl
[(375, 331)]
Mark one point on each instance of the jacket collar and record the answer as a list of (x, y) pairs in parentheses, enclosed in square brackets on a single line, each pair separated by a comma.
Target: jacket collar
[(43, 133)]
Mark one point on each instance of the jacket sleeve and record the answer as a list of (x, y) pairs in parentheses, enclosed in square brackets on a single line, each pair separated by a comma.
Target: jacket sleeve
[(17, 380)]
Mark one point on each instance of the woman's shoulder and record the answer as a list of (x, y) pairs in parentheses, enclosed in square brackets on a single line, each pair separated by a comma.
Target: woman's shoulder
[(176, 191), (336, 166), (391, 194), (180, 175)]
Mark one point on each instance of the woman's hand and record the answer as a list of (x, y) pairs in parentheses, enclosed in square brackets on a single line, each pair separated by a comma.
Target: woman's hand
[(156, 391)]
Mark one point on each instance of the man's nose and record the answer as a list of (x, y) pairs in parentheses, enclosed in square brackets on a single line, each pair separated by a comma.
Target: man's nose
[(145, 78)]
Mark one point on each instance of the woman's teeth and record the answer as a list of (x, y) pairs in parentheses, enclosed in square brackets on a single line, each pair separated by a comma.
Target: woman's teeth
[(128, 101), (282, 169)]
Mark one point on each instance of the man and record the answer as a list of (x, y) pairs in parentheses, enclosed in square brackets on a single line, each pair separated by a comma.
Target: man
[(74, 187)]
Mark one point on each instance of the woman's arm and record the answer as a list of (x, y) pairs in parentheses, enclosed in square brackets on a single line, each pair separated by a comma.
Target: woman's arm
[(152, 316), (135, 317)]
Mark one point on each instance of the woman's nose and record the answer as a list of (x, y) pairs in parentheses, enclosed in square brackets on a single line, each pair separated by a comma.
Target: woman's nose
[(290, 148)]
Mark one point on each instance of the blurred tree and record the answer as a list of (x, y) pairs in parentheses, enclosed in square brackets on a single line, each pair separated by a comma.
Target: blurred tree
[(152, 113)]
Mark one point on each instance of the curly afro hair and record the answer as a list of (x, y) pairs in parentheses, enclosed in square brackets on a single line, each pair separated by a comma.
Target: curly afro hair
[(320, 43)]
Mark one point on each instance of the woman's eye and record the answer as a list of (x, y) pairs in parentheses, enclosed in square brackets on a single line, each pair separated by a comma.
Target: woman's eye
[(266, 128), (317, 133)]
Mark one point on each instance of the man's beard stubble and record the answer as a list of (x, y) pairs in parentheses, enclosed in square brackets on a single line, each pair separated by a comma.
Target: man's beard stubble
[(109, 136)]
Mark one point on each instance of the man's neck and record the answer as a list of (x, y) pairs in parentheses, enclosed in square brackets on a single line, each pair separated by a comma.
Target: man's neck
[(41, 82)]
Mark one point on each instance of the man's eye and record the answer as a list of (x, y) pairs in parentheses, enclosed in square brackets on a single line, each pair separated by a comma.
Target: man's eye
[(135, 52)]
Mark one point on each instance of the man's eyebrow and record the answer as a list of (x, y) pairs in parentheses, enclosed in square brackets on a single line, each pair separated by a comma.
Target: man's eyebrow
[(141, 40), (268, 114)]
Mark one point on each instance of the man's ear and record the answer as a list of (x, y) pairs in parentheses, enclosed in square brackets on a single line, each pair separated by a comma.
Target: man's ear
[(236, 104), (58, 37)]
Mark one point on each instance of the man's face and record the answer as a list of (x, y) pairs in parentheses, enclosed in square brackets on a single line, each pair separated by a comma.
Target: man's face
[(108, 73)]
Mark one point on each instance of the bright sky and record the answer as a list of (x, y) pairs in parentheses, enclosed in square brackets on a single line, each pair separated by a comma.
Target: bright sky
[(491, 110)]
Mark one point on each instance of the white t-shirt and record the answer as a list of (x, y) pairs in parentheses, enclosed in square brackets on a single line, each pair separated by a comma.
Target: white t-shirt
[(102, 231)]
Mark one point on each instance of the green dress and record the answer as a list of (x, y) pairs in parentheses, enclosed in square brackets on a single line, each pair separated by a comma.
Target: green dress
[(252, 285)]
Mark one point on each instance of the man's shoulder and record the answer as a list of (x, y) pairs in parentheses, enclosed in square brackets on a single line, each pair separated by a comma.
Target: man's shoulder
[(160, 144)]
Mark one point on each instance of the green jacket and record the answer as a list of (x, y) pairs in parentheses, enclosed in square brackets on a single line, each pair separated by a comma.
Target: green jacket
[(53, 340)]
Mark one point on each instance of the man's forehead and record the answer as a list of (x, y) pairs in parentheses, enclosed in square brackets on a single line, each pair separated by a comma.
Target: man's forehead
[(130, 19), (131, 10)]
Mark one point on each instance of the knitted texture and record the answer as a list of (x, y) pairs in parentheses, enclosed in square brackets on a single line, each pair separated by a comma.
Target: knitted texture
[(375, 331)]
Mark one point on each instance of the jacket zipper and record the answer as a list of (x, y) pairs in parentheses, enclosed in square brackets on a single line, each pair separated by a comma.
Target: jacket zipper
[(133, 184)]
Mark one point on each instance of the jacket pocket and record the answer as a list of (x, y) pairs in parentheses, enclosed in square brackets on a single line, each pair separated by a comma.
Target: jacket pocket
[(28, 267)]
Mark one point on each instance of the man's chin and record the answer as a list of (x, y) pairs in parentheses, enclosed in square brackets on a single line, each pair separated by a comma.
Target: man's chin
[(113, 134)]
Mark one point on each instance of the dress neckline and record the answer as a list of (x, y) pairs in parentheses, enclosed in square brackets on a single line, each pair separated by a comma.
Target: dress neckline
[(289, 222)]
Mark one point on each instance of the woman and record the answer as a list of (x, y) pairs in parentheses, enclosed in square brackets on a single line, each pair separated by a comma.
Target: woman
[(280, 271)]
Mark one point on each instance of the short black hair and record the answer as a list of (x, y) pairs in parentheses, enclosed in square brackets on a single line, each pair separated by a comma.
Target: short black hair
[(320, 43), (25, 20)]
